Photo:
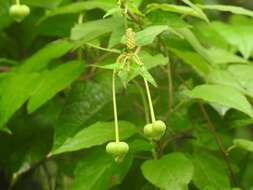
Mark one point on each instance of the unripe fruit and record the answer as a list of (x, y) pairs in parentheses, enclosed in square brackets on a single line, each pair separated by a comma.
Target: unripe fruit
[(148, 130), (19, 12), (117, 148), (159, 127)]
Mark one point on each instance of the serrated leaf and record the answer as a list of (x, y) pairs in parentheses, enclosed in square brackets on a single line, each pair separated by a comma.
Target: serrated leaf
[(243, 144), (223, 95), (96, 134), (172, 172), (52, 82)]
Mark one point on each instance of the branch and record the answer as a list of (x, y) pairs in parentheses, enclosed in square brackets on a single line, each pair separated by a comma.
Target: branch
[(220, 145)]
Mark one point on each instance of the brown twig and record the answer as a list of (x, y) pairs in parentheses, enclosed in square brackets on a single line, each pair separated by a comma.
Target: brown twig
[(220, 145)]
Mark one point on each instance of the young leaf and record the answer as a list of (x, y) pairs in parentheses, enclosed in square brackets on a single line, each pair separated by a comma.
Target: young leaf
[(172, 172), (223, 95), (96, 134)]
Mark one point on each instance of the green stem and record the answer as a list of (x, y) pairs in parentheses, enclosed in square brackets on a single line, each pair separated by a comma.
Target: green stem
[(115, 107), (152, 113), (18, 2), (144, 101)]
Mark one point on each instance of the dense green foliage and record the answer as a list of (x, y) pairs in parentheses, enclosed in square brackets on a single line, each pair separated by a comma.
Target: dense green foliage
[(183, 75)]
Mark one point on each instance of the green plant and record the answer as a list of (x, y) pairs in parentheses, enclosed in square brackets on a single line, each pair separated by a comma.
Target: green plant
[(142, 95)]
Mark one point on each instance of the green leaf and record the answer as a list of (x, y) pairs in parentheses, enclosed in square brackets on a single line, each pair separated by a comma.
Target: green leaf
[(237, 35), (42, 58), (91, 30), (98, 171), (76, 8), (197, 10), (50, 4), (223, 95), (194, 42), (223, 77), (93, 173), (96, 134), (147, 36), (53, 82), (221, 56), (4, 14), (184, 10), (16, 88), (243, 144), (243, 74), (228, 8), (191, 58), (210, 172), (172, 172)]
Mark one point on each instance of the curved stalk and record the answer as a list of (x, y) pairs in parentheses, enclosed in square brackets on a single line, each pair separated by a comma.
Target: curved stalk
[(115, 107), (152, 113)]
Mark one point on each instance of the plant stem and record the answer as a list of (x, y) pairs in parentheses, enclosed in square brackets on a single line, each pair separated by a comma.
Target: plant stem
[(144, 101), (115, 107), (152, 113), (170, 88), (18, 2), (220, 145), (48, 176)]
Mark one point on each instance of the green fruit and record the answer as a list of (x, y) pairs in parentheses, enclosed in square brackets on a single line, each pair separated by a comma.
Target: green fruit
[(19, 12), (111, 148), (117, 148), (159, 127), (123, 148), (148, 130)]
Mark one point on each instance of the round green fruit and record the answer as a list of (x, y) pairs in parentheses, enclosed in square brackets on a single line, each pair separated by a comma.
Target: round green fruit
[(19, 12), (148, 130), (117, 148), (159, 127)]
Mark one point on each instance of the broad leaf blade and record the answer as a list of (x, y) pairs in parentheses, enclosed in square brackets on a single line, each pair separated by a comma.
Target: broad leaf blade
[(223, 95), (96, 134), (54, 81), (172, 172)]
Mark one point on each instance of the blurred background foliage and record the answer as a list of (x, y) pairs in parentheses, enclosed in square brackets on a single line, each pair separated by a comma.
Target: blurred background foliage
[(35, 131)]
